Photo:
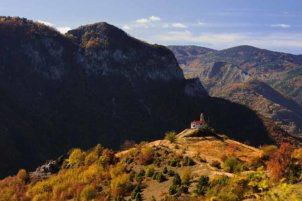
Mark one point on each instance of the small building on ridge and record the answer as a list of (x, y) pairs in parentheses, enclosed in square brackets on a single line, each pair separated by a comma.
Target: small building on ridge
[(198, 123)]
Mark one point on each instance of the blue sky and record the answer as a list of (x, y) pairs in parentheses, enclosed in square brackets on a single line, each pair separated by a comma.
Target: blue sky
[(218, 24)]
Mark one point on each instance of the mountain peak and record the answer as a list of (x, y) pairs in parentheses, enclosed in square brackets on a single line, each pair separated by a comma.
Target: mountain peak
[(243, 48), (102, 28), (104, 35)]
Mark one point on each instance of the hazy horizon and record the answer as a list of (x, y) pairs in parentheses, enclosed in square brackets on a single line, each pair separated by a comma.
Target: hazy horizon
[(217, 24)]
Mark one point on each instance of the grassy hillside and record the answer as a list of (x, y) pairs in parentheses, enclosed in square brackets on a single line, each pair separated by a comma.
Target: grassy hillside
[(193, 165)]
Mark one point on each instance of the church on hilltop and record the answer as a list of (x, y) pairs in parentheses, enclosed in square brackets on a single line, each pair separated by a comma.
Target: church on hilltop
[(198, 123)]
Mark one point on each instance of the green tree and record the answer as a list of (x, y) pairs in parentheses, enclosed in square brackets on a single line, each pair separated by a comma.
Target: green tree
[(171, 136), (202, 185), (176, 180)]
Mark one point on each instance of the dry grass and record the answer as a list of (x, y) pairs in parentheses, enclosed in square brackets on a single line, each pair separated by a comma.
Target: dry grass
[(210, 148)]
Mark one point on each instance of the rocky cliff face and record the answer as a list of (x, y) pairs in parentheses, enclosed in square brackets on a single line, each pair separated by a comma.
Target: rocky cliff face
[(96, 84), (108, 50)]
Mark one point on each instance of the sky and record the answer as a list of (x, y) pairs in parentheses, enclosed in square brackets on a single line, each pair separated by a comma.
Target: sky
[(217, 24)]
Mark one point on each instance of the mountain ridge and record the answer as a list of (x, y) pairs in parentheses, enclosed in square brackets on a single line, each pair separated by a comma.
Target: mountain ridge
[(235, 68)]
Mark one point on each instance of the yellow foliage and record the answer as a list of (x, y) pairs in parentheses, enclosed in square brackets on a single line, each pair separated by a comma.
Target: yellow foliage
[(117, 170), (120, 185), (146, 156), (297, 154), (93, 174), (91, 158), (76, 157), (88, 193), (185, 175), (23, 175)]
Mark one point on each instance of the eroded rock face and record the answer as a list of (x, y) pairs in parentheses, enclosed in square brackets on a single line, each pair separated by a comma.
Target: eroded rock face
[(265, 81), (107, 49)]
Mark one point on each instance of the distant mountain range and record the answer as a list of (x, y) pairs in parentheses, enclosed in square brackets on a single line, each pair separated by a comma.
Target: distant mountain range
[(266, 81), (97, 84)]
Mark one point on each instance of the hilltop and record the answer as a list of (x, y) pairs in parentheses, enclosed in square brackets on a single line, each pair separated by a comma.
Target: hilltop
[(192, 165)]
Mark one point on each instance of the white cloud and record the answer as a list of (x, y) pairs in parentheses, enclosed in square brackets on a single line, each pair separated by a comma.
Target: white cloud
[(145, 21), (179, 25), (226, 40), (281, 25), (63, 30), (126, 27), (46, 23), (142, 21), (154, 18), (189, 37)]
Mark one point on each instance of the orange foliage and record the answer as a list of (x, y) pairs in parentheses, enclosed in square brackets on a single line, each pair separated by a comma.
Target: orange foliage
[(94, 42), (280, 161), (146, 156)]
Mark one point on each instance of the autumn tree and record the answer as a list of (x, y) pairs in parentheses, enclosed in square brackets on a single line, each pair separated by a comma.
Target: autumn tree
[(23, 176), (279, 161), (146, 156)]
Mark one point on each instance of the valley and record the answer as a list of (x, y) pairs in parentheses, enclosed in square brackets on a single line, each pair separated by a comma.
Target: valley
[(265, 81)]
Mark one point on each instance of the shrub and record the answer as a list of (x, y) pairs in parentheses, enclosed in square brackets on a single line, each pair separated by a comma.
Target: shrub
[(170, 173), (149, 171), (259, 180), (174, 162), (117, 170), (146, 156), (170, 136), (158, 176), (228, 189), (255, 162), (176, 180), (233, 165), (23, 176), (187, 161), (220, 180), (135, 191), (185, 176), (267, 150), (184, 188), (106, 158), (121, 185), (201, 159), (156, 162), (76, 158), (88, 193), (91, 158), (173, 190), (297, 154), (177, 188), (215, 164), (202, 185), (280, 161), (140, 176), (165, 170)]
